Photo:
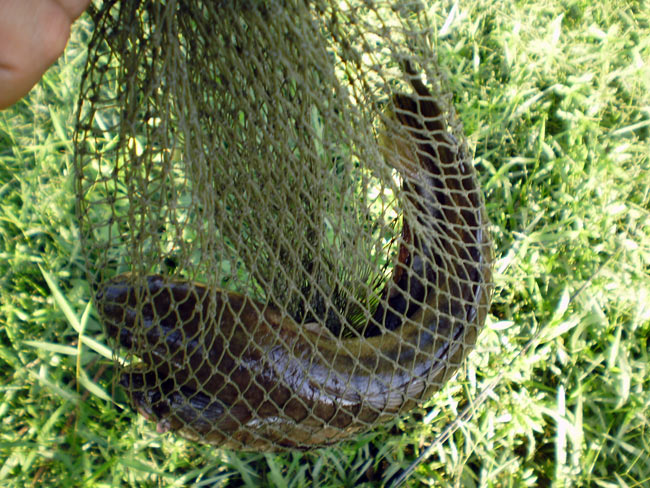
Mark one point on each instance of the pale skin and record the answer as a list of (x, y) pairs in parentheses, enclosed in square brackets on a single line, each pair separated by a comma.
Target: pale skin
[(33, 34)]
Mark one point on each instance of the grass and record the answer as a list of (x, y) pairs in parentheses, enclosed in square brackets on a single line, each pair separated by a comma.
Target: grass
[(555, 100)]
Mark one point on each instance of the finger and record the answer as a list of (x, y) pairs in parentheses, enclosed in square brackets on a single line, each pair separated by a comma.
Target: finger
[(74, 8), (33, 34)]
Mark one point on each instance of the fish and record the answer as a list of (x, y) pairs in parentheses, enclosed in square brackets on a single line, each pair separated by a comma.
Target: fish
[(221, 368)]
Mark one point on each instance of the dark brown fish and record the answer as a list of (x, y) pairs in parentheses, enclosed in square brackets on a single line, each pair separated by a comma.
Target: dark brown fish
[(220, 368)]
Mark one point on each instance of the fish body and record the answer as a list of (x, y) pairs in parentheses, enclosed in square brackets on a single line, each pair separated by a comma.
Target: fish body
[(221, 368)]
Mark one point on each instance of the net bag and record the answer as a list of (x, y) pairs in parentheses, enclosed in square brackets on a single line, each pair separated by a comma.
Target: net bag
[(279, 215)]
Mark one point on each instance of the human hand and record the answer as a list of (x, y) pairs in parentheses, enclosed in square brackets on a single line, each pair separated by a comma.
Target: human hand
[(33, 34)]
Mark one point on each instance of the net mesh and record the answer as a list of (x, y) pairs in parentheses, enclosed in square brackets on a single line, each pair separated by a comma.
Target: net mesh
[(279, 214)]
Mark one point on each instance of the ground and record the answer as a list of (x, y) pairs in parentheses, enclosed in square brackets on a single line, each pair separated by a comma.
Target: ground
[(555, 101)]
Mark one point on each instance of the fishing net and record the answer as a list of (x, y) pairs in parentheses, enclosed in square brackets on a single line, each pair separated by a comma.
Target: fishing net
[(279, 213)]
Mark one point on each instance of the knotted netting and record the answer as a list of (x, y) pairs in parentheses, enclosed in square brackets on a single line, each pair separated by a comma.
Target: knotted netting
[(279, 213)]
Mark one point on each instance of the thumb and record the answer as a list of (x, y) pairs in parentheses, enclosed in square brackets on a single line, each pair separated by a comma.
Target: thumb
[(33, 34)]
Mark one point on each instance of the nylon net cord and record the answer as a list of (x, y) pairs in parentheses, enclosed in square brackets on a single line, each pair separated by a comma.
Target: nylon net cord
[(279, 215)]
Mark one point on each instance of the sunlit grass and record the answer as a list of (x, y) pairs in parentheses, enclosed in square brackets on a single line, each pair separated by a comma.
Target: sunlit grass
[(554, 98)]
